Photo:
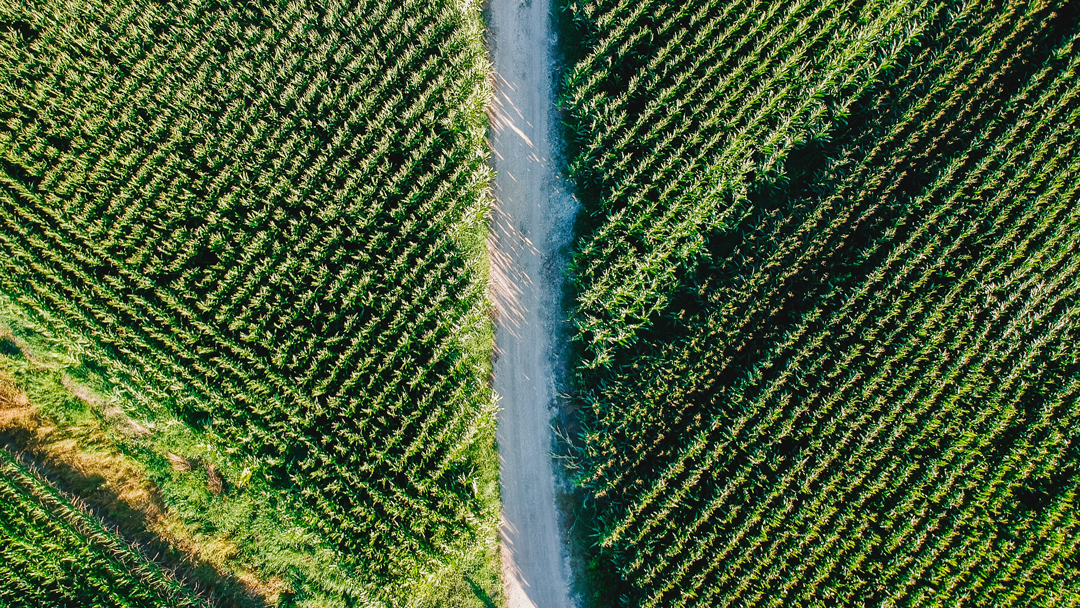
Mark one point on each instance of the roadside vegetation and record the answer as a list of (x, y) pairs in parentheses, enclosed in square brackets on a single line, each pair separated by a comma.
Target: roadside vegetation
[(826, 287), (258, 229)]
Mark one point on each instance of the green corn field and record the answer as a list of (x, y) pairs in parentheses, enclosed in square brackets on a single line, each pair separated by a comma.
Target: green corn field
[(269, 218), (53, 554), (826, 300)]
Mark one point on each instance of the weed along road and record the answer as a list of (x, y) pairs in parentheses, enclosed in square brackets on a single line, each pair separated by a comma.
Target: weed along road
[(531, 230)]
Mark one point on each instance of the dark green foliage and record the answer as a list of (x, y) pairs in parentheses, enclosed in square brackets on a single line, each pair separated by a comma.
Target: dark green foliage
[(52, 554), (266, 214), (826, 300)]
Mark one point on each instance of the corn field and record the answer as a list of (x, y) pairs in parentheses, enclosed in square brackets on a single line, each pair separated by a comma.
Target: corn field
[(53, 554), (826, 300), (269, 217)]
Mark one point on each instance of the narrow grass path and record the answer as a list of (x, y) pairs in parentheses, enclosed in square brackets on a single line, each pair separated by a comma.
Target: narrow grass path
[(531, 233)]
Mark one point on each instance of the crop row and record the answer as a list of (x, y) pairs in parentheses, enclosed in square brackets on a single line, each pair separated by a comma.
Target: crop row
[(853, 381), (53, 554)]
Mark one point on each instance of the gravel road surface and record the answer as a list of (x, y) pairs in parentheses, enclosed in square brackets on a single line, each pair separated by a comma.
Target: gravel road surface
[(531, 231)]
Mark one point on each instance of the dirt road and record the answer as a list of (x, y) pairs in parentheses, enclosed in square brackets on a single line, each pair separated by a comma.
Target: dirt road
[(531, 231)]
